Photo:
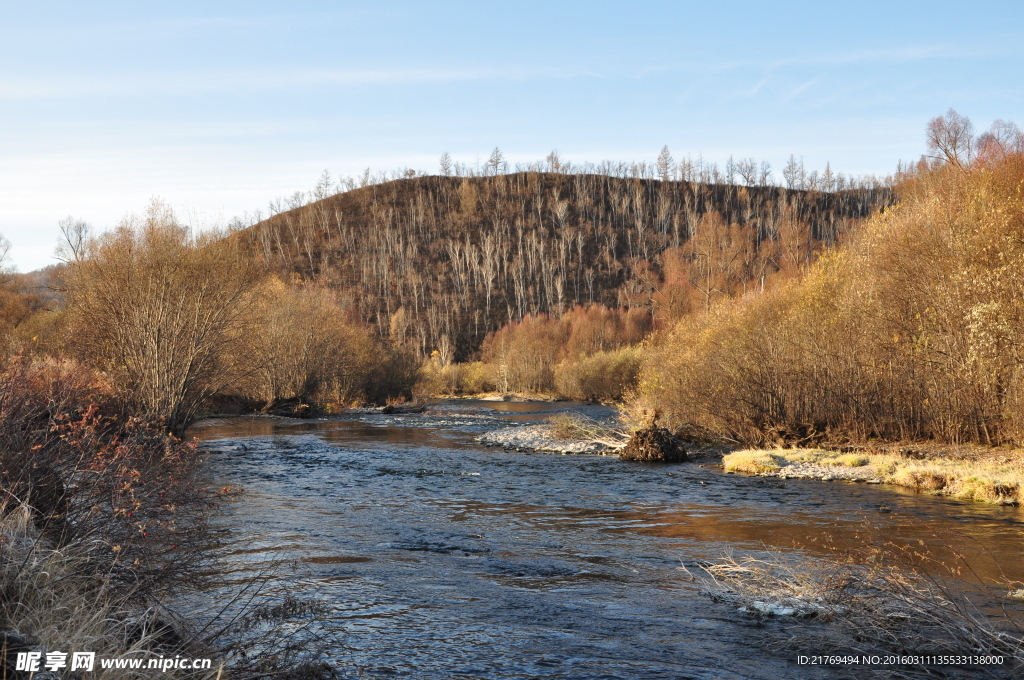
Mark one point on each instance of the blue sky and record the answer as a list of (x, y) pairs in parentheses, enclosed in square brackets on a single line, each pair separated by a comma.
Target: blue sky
[(220, 107)]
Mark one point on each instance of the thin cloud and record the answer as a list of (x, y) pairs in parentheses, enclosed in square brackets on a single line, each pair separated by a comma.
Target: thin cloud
[(204, 82), (798, 90), (887, 55)]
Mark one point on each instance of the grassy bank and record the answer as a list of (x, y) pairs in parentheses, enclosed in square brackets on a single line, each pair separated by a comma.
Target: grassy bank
[(974, 473)]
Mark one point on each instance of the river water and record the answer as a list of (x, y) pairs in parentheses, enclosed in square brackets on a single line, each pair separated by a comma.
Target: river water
[(438, 557)]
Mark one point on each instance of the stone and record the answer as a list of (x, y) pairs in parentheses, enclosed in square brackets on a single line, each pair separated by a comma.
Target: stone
[(655, 445)]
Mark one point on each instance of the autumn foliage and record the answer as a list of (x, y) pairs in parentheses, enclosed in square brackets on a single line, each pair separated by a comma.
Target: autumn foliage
[(911, 330), (538, 352)]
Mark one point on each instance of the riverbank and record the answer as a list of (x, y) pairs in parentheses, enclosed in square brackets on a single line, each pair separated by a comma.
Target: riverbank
[(966, 473)]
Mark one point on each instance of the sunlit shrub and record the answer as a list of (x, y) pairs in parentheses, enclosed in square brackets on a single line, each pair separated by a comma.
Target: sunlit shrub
[(159, 310), (603, 376), (303, 346), (524, 355)]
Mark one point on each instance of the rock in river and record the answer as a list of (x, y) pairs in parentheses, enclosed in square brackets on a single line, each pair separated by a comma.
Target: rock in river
[(654, 444)]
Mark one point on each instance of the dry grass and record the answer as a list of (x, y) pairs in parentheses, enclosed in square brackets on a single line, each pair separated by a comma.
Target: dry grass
[(577, 427), (993, 476), (56, 600), (876, 602), (751, 461)]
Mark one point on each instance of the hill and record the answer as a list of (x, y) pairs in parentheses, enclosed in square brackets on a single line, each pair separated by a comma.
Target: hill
[(438, 262)]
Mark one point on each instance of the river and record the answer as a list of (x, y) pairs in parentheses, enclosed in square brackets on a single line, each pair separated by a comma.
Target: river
[(438, 557)]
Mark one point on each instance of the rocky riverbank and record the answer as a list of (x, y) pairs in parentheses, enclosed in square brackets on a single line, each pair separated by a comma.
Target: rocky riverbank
[(544, 438), (987, 475)]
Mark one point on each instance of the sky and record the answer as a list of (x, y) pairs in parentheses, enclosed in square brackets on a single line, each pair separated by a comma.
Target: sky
[(219, 107)]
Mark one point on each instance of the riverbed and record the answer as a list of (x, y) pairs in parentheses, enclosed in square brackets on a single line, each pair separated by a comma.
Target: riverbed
[(439, 557)]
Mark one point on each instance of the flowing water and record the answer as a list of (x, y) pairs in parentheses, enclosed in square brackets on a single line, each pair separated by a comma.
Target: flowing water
[(440, 558)]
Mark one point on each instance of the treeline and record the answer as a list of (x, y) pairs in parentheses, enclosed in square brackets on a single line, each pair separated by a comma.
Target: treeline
[(438, 262), (914, 329), (173, 324)]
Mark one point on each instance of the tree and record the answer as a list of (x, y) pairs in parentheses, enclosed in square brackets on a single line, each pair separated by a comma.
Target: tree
[(665, 164), (496, 163), (747, 169), (159, 310), (951, 138), (74, 234), (1002, 139), (5, 251), (553, 162), (794, 173), (323, 187), (446, 165)]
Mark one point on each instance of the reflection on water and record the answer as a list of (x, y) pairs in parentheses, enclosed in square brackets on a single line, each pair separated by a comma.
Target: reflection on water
[(442, 558)]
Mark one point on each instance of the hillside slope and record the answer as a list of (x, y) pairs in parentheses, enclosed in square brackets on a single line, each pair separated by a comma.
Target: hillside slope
[(438, 262)]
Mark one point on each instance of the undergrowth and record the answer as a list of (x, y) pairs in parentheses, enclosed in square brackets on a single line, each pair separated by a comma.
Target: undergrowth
[(884, 599)]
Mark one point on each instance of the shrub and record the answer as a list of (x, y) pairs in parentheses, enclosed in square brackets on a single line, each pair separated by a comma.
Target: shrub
[(604, 376), (121, 486), (454, 379), (525, 356), (303, 347)]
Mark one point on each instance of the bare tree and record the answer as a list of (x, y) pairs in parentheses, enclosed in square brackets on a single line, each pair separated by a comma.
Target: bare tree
[(951, 138), (1003, 138), (496, 163), (74, 237), (553, 162), (665, 165), (794, 173), (159, 310), (747, 169), (5, 252), (324, 187)]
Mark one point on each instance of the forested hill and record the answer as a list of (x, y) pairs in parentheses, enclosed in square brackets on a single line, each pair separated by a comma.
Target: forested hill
[(438, 262)]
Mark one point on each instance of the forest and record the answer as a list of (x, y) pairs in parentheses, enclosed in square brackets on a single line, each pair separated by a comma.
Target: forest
[(540, 280)]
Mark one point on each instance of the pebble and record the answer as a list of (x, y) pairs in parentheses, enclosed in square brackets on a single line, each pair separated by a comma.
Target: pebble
[(826, 473)]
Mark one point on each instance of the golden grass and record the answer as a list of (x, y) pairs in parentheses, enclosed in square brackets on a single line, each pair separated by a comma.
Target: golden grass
[(994, 477), (751, 462)]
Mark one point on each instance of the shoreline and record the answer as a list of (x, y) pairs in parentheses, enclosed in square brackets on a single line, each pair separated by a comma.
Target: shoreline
[(972, 473), (989, 476)]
